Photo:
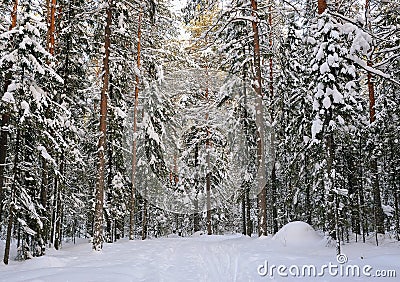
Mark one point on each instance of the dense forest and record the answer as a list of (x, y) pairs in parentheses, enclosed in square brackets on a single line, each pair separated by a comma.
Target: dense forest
[(137, 119)]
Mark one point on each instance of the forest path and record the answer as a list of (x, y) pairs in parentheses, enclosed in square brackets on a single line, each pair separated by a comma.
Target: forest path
[(204, 258)]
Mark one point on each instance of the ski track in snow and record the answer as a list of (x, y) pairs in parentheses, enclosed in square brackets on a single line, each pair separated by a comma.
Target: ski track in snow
[(203, 258)]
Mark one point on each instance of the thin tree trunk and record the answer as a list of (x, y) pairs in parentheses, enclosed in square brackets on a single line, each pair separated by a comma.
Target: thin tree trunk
[(307, 204), (5, 119), (273, 199), (361, 207), (98, 214), (396, 212), (261, 173), (378, 211), (109, 235), (332, 196), (135, 114), (273, 138), (9, 231), (59, 209), (3, 153), (144, 216), (321, 6), (52, 25), (11, 210), (43, 199), (176, 178), (246, 192), (196, 215), (208, 175), (249, 229), (54, 212), (243, 199)]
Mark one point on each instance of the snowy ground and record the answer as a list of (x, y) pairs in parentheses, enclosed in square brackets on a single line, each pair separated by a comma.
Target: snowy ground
[(203, 258)]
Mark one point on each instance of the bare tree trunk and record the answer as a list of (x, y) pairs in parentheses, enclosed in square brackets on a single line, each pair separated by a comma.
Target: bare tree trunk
[(196, 215), (54, 212), (11, 210), (321, 6), (396, 212), (109, 232), (176, 178), (135, 114), (308, 192), (144, 216), (361, 208), (59, 209), (98, 213), (208, 175), (52, 25), (243, 200), (43, 199), (261, 173), (249, 229), (332, 196), (273, 138), (378, 211), (5, 119)]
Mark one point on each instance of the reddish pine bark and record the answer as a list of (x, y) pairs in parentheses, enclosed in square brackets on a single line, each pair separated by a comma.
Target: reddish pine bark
[(321, 6), (261, 175), (52, 26), (378, 211), (98, 215)]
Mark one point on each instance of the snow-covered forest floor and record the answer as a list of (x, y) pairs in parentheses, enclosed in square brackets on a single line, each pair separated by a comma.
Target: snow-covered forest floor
[(201, 258)]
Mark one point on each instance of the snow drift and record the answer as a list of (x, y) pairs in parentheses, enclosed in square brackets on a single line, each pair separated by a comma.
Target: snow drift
[(297, 233)]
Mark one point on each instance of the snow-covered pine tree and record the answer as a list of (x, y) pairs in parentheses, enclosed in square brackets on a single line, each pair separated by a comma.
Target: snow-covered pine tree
[(29, 97), (336, 105)]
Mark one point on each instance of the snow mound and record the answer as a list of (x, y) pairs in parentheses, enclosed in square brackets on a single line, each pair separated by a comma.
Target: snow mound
[(297, 233), (198, 234)]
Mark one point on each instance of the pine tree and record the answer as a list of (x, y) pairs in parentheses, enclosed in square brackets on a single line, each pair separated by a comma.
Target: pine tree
[(98, 218)]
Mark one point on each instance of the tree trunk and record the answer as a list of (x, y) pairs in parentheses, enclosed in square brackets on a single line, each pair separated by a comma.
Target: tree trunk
[(52, 25), (196, 215), (11, 210), (3, 152), (98, 213), (5, 119), (261, 173), (332, 196), (273, 199), (321, 6), (378, 211), (59, 209), (9, 231), (208, 175), (249, 229), (54, 212), (396, 212), (135, 114), (144, 216), (109, 235), (361, 208), (43, 199), (273, 138), (307, 183), (243, 199)]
